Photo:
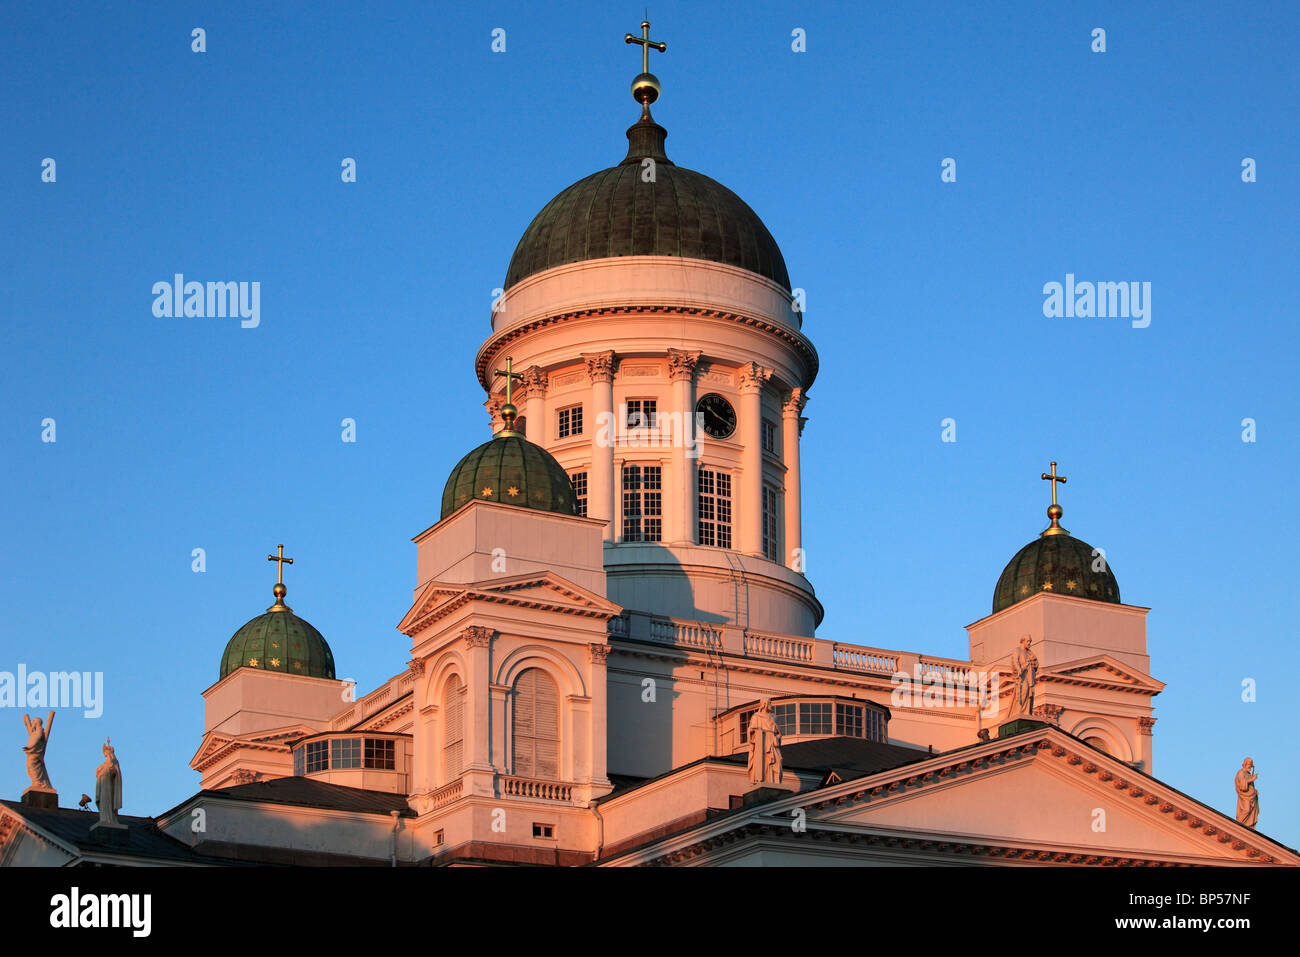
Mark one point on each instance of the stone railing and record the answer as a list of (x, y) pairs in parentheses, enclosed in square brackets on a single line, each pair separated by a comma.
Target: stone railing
[(861, 658), (540, 790), (446, 794), (780, 646), (617, 627)]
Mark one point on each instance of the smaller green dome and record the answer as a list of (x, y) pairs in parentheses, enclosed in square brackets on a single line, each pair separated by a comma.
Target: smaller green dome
[(511, 470), (279, 641), (1058, 564)]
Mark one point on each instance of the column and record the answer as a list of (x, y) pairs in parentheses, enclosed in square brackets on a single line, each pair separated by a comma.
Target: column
[(790, 409), (748, 512), (679, 496), (598, 421), (598, 782), (478, 745), (535, 382)]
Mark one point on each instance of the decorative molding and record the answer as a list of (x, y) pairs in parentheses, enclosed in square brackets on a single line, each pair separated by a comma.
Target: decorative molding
[(245, 776), (477, 636), (1145, 725), (1049, 712), (682, 363), (791, 336), (793, 403), (597, 653), (416, 666), (600, 366), (535, 383), (753, 377)]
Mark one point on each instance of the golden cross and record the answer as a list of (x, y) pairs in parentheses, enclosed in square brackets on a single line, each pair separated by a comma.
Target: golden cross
[(1054, 478), (646, 44), (510, 375), (279, 571)]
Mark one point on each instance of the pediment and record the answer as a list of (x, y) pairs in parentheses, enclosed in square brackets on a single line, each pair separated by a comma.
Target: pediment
[(535, 590), (1101, 671), (1039, 794), (275, 739)]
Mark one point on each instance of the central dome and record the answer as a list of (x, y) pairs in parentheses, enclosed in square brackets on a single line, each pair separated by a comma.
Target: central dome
[(616, 212)]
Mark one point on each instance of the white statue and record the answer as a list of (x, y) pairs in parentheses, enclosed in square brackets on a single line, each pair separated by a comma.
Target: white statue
[(108, 788), (1247, 796), (38, 738), (1025, 666), (764, 746)]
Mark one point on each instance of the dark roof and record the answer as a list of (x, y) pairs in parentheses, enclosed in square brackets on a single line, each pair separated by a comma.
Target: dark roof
[(849, 758), (307, 792), (616, 212), (72, 826), (1060, 565)]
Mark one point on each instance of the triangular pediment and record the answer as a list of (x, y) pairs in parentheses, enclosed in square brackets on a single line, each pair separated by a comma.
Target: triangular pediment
[(1101, 671), (275, 739), (1041, 796), (535, 590)]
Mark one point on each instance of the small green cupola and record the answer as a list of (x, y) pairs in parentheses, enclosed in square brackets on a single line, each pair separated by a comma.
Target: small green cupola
[(279, 640), (511, 470), (1056, 563)]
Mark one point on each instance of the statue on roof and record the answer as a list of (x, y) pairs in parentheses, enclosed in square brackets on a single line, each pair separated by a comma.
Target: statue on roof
[(108, 788), (1024, 668), (38, 738), (1247, 796), (765, 765)]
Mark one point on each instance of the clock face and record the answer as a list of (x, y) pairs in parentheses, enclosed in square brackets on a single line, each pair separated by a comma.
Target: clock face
[(719, 416)]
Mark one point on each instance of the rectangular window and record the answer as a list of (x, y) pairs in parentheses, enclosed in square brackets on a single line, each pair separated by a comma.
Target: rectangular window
[(643, 503), (381, 754), (771, 540), (848, 720), (714, 508), (642, 413), (814, 717), (345, 753), (579, 480), (318, 756), (744, 725), (298, 761), (769, 437), (543, 830), (785, 715), (875, 726), (570, 422)]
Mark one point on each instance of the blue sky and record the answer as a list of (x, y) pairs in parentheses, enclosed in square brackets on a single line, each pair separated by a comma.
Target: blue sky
[(924, 299)]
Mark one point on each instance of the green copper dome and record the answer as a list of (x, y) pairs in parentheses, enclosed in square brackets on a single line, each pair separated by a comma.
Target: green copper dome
[(279, 641), (512, 470), (1059, 565)]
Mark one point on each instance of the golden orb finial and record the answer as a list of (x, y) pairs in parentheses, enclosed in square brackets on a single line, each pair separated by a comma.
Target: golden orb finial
[(645, 88)]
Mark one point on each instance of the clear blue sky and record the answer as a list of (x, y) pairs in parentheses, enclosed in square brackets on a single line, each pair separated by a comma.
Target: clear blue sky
[(924, 299)]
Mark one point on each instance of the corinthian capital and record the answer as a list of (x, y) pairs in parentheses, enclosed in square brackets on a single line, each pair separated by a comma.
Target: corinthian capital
[(535, 383), (753, 376), (681, 364), (477, 636), (794, 402), (600, 366)]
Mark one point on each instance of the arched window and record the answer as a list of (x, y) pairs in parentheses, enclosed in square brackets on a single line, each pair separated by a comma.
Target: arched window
[(453, 728), (535, 744)]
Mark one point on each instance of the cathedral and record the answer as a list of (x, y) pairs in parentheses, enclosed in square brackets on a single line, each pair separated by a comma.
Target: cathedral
[(614, 657)]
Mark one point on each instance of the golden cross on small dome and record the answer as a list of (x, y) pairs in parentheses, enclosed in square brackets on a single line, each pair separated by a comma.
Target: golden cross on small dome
[(508, 411), (511, 375), (279, 590), (646, 44), (1054, 511), (1054, 478)]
